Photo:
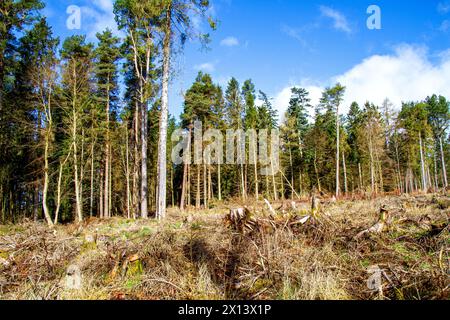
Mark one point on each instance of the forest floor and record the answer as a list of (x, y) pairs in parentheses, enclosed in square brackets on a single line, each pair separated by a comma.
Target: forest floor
[(255, 256)]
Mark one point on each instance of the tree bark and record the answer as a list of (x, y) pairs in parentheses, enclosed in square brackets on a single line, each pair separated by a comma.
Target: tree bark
[(219, 181), (337, 151), (106, 208), (144, 152), (162, 152), (345, 172), (46, 175), (186, 160), (91, 199), (444, 169), (422, 165), (127, 172)]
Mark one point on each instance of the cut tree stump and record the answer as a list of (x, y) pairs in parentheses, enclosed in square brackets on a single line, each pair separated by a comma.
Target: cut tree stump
[(379, 227)]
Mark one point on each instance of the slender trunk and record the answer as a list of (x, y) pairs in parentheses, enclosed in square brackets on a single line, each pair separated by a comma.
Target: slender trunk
[(436, 179), (345, 172), (106, 208), (78, 202), (172, 186), (162, 157), (110, 184), (102, 198), (399, 171), (219, 181), (380, 172), (59, 187), (360, 177), (189, 185), (338, 140), (372, 165), (444, 169), (136, 162), (46, 177), (256, 173), (197, 199), (292, 173), (127, 171), (184, 187), (186, 161), (144, 152), (317, 171), (275, 189), (205, 187), (422, 165), (210, 187), (91, 199), (242, 182)]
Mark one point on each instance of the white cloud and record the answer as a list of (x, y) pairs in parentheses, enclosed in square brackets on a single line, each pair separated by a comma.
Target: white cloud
[(205, 67), (98, 18), (229, 42), (406, 75), (340, 21)]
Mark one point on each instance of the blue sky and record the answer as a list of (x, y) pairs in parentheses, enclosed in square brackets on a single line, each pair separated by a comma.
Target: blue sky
[(282, 43)]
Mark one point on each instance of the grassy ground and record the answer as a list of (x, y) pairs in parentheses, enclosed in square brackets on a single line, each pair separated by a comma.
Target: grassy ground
[(199, 255)]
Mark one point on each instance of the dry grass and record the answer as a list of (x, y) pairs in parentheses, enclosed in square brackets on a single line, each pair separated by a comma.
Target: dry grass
[(199, 256)]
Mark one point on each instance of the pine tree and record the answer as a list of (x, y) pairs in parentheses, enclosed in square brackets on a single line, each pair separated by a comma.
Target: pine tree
[(107, 55)]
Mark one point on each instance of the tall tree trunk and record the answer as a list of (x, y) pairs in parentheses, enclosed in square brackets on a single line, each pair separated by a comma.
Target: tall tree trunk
[(444, 169), (210, 187), (189, 186), (59, 187), (422, 165), (127, 174), (399, 171), (219, 181), (317, 171), (360, 177), (78, 202), (106, 207), (102, 198), (144, 152), (136, 161), (110, 184), (186, 160), (292, 174), (372, 166), (275, 189), (338, 141), (436, 179), (198, 197), (91, 198), (205, 186), (162, 152), (345, 172), (46, 177), (256, 174), (242, 182)]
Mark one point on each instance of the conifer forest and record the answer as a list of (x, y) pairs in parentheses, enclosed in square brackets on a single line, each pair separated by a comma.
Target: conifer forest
[(111, 188)]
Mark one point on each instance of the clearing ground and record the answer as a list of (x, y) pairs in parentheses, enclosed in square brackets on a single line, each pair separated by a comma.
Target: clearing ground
[(343, 250)]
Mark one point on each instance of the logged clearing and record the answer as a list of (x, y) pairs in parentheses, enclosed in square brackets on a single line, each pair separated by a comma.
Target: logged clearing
[(387, 248)]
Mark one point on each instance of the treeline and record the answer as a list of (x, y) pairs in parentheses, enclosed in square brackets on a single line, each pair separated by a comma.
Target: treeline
[(72, 146), (371, 150)]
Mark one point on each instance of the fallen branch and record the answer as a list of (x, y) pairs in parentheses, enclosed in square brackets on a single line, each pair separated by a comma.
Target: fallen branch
[(272, 211)]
